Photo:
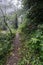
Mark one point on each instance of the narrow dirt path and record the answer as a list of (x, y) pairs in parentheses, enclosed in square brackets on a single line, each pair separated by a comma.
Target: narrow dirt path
[(14, 58)]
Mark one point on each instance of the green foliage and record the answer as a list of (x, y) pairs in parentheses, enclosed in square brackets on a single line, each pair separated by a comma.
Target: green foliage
[(31, 32), (28, 3), (5, 46), (32, 38), (32, 46)]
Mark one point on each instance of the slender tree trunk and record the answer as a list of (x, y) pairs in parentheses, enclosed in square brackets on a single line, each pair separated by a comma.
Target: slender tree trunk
[(7, 25)]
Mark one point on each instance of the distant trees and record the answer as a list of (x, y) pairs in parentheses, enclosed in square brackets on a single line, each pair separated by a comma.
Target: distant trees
[(6, 17), (3, 11), (34, 10), (28, 3), (16, 22), (4, 21)]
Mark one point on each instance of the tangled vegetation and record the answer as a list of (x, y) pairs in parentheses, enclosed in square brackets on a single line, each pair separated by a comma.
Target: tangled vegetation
[(32, 47), (31, 32), (5, 46)]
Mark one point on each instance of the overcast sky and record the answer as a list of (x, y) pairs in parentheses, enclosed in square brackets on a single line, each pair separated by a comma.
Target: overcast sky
[(17, 3)]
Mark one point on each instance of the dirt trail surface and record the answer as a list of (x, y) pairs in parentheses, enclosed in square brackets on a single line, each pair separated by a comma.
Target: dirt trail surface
[(14, 57)]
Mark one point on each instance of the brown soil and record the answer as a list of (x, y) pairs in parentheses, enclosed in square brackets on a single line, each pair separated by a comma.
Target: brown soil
[(14, 56)]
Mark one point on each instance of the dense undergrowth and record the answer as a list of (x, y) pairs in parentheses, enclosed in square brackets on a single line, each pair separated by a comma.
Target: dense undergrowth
[(5, 46), (31, 33), (31, 45)]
